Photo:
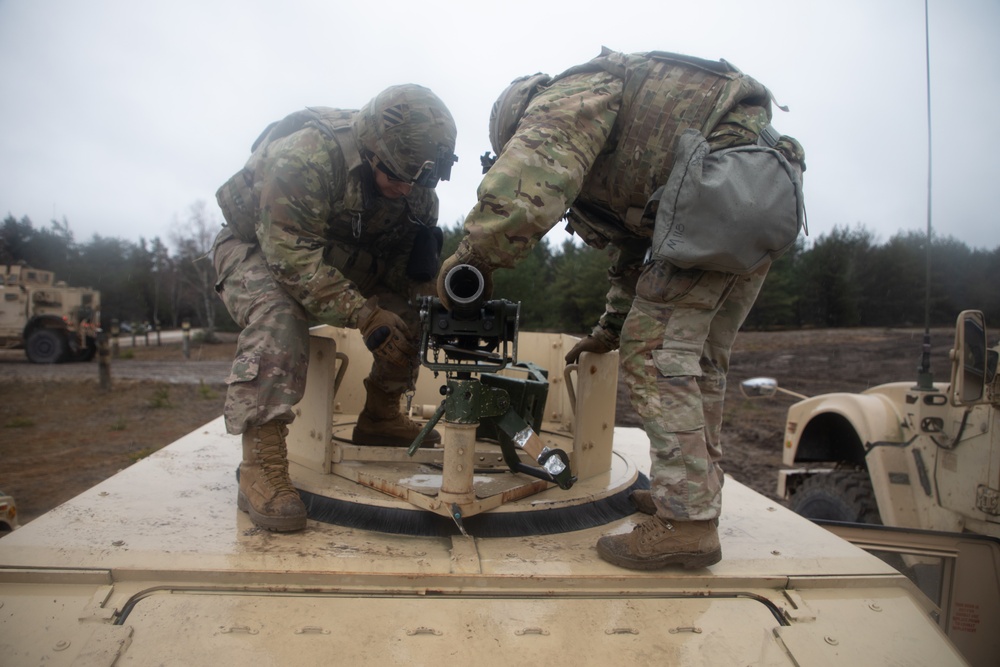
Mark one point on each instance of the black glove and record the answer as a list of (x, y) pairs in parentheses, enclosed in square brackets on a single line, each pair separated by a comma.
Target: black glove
[(385, 334), (588, 344)]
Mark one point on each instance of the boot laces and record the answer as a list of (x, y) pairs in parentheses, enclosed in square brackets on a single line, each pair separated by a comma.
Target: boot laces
[(402, 420), (653, 530), (272, 454)]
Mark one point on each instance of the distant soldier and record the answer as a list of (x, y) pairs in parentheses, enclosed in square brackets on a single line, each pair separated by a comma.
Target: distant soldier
[(332, 221), (673, 162)]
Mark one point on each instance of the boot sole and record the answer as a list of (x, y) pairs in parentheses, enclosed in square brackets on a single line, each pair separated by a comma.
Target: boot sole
[(272, 523), (688, 561)]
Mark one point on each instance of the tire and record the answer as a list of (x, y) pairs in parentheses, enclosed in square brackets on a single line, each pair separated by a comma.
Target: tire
[(837, 496), (45, 346)]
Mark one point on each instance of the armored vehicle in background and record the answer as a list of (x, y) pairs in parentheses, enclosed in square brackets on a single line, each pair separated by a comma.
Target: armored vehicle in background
[(915, 455), (52, 321)]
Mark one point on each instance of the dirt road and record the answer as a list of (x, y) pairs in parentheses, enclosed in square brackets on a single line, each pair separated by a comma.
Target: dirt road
[(164, 363)]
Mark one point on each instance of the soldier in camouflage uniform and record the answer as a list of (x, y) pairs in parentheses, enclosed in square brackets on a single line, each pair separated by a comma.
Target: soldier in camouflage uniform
[(597, 141), (332, 221)]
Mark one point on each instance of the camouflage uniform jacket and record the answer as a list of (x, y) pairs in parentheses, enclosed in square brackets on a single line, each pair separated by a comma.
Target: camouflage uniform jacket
[(594, 145), (310, 201)]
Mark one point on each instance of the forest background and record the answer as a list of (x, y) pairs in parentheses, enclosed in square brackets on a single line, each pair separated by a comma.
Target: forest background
[(846, 278)]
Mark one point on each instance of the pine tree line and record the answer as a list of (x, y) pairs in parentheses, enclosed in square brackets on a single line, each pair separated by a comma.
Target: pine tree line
[(141, 283), (841, 279)]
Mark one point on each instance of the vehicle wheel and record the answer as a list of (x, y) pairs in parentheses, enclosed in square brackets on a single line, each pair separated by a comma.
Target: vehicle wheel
[(837, 496), (45, 346)]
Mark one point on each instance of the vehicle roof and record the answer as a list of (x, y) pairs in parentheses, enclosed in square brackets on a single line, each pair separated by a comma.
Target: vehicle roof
[(176, 510), (160, 551)]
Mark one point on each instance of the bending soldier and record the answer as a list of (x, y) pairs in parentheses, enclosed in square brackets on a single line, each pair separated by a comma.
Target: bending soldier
[(674, 158), (332, 221)]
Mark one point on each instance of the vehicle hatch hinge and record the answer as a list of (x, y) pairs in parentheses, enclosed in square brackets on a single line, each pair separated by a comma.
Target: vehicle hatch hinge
[(797, 610), (95, 609)]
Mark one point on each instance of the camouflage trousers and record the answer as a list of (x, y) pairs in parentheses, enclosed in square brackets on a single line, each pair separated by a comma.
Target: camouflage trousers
[(268, 375), (675, 348)]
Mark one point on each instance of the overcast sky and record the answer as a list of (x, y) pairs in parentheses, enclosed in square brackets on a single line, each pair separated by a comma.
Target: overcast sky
[(119, 115)]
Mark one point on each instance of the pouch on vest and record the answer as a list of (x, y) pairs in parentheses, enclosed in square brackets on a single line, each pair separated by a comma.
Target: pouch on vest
[(425, 255), (732, 210), (358, 265), (235, 199)]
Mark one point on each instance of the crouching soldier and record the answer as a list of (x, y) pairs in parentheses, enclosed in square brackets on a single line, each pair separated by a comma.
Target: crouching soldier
[(331, 221)]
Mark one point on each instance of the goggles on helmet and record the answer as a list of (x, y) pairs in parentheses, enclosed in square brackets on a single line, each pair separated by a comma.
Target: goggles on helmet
[(432, 171), (429, 173)]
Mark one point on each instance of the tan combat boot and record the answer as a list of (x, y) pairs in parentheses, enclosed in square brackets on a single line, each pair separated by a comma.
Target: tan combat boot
[(657, 543), (382, 424), (266, 492)]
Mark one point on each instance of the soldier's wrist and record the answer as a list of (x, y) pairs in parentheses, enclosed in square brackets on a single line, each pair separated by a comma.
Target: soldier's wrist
[(364, 309), (466, 254), (609, 338)]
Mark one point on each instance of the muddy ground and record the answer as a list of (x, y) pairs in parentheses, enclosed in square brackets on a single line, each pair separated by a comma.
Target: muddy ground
[(60, 434)]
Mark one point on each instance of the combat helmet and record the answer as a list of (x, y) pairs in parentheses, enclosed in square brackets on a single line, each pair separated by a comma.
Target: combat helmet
[(411, 132), (510, 106)]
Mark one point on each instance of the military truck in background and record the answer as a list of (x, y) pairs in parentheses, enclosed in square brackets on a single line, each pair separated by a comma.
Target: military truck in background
[(50, 320), (916, 455)]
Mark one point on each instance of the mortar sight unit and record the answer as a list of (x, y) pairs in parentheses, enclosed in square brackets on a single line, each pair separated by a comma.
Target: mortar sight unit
[(476, 335)]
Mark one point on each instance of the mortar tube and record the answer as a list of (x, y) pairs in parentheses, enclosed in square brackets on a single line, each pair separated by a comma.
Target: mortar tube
[(465, 286)]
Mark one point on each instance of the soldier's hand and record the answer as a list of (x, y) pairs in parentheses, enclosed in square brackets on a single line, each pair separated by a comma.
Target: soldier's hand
[(450, 264), (385, 334), (588, 344), (446, 266)]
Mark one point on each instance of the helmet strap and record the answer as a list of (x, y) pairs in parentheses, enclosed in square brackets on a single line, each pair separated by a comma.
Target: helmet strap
[(369, 191)]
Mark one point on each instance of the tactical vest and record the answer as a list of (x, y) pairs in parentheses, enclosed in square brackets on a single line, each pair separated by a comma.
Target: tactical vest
[(664, 94), (363, 231)]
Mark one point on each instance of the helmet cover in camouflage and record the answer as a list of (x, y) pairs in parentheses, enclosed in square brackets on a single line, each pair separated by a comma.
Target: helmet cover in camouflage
[(510, 106), (411, 131)]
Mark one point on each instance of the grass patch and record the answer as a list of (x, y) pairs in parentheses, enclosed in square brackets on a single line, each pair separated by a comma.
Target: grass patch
[(118, 425), (206, 392), (205, 336), (19, 422), (141, 454), (161, 398)]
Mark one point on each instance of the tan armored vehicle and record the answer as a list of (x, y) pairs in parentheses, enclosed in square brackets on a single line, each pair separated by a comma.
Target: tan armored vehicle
[(902, 454), (477, 552), (52, 321)]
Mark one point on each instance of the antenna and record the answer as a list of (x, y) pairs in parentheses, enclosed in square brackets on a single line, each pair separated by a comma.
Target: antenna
[(925, 378)]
